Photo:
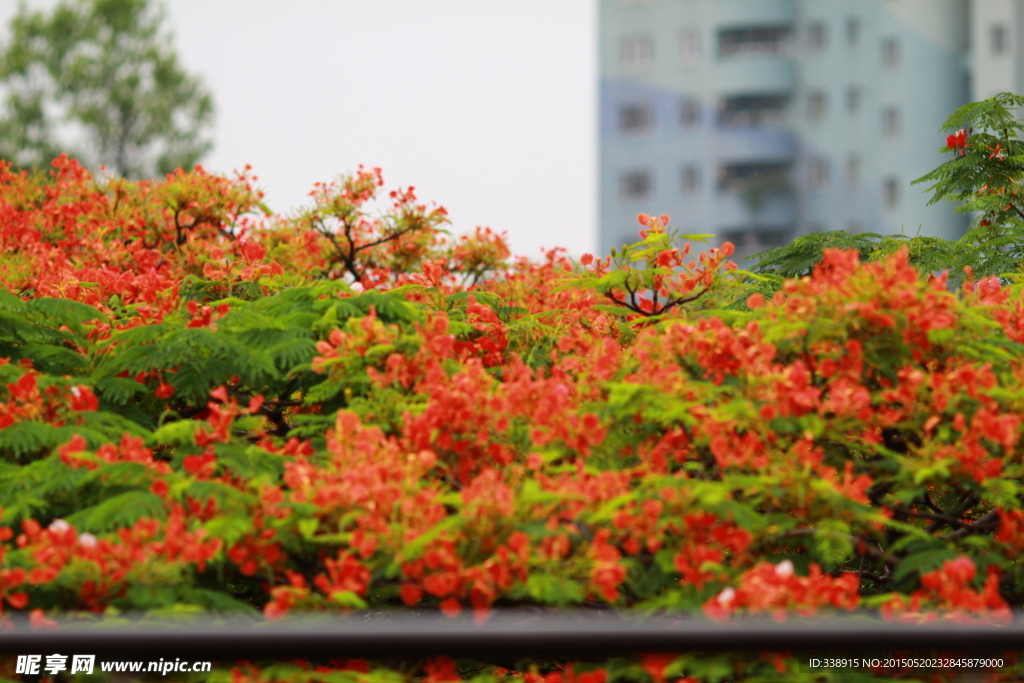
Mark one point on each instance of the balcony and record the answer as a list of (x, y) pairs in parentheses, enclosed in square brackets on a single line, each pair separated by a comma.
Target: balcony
[(754, 41), (768, 118), (755, 239), (739, 144), (754, 193), (754, 11), (775, 213), (757, 110), (739, 74)]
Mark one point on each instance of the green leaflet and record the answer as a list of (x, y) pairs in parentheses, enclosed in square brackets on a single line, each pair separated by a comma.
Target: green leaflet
[(118, 511), (554, 590)]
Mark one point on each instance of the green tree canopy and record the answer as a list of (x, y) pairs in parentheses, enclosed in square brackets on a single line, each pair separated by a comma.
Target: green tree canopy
[(99, 80)]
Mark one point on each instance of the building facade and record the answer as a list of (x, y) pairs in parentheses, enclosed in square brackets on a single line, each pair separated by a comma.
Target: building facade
[(996, 58), (761, 120)]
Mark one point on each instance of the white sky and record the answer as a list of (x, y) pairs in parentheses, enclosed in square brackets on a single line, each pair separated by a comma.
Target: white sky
[(487, 107)]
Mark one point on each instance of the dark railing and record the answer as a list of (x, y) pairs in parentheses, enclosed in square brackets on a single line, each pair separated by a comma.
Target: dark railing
[(586, 637)]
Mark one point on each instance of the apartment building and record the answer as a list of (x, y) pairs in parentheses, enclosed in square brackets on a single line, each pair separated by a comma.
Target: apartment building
[(761, 120), (996, 58)]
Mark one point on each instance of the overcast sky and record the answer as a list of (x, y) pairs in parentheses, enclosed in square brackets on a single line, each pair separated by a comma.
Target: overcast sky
[(488, 107)]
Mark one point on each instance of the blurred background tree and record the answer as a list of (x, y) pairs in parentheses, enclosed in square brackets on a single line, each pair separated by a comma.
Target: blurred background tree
[(100, 80)]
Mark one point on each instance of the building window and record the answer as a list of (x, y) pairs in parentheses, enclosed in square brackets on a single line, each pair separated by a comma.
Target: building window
[(757, 41), (690, 45), (817, 172), (852, 30), (736, 177), (635, 117), (854, 97), (891, 122), (689, 112), (635, 185), (815, 105), (816, 36), (635, 52), (891, 192), (752, 110), (751, 240), (691, 179), (891, 53), (853, 166), (1000, 42)]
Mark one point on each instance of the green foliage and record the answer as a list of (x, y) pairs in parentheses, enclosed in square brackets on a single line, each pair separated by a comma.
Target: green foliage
[(106, 67), (929, 255), (650, 436), (983, 178), (985, 173)]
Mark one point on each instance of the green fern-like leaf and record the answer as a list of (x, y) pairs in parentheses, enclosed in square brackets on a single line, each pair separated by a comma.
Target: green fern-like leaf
[(46, 485), (119, 511), (798, 258), (63, 312), (23, 439), (118, 389), (204, 359)]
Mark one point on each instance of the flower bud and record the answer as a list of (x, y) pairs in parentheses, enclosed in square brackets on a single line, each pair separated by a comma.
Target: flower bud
[(59, 526)]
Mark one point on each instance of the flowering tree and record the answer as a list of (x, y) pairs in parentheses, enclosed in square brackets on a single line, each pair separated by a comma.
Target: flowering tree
[(104, 69), (206, 407)]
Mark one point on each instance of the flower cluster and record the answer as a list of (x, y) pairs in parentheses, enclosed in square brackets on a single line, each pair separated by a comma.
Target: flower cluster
[(353, 412)]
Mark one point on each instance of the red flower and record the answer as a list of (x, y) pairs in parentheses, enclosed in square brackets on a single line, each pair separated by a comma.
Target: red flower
[(949, 590), (411, 594), (160, 487), (441, 669), (690, 560), (344, 575), (200, 465), (82, 399), (164, 391), (655, 663), (957, 142), (11, 578)]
